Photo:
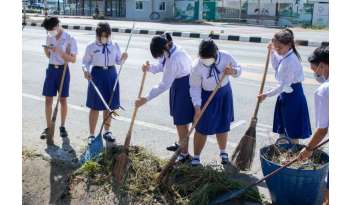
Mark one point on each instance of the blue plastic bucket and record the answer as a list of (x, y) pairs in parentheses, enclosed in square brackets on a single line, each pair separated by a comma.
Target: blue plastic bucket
[(293, 186)]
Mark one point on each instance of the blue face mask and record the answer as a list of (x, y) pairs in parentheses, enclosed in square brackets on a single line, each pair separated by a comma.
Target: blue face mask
[(319, 78)]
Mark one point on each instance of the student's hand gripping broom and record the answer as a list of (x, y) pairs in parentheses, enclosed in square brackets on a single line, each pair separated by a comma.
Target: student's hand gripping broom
[(50, 138), (171, 161), (243, 154), (122, 159)]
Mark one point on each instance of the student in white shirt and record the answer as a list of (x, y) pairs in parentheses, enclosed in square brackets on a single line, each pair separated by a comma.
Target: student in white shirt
[(175, 64), (291, 116), (99, 62), (319, 62), (60, 47), (205, 76)]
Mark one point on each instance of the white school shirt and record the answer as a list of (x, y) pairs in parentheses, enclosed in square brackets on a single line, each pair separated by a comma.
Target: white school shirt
[(63, 42), (322, 105), (288, 70), (176, 66), (97, 54), (199, 78)]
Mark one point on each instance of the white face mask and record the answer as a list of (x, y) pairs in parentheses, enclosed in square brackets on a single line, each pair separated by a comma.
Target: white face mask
[(207, 61), (104, 40), (319, 78), (53, 33)]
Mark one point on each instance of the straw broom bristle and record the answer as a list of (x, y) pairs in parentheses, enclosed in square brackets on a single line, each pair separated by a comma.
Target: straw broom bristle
[(243, 155), (120, 167)]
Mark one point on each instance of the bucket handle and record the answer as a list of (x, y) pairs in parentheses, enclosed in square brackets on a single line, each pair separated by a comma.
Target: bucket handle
[(287, 139)]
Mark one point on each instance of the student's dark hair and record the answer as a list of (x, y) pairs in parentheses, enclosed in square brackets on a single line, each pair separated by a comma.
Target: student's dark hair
[(320, 55), (161, 43), (50, 22), (208, 49), (103, 27), (286, 37)]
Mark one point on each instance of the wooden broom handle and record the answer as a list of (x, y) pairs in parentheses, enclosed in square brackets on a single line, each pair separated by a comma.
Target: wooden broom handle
[(262, 83), (128, 138)]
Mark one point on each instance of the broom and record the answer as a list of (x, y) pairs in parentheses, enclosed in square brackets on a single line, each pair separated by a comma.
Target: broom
[(50, 138), (122, 158), (244, 153), (171, 161)]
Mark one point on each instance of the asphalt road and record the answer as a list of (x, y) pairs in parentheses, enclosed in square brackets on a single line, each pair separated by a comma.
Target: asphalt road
[(154, 129)]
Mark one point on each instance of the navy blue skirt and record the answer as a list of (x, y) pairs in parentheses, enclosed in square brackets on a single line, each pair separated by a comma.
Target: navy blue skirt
[(104, 80), (180, 104), (219, 114), (291, 116)]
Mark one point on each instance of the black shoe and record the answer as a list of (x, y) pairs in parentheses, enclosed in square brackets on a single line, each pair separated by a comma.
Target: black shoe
[(182, 159), (108, 136), (224, 158), (63, 132), (44, 134), (174, 147)]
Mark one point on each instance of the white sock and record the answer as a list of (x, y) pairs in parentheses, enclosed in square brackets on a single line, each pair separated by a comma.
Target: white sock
[(105, 131), (184, 154), (223, 151), (196, 156), (92, 134)]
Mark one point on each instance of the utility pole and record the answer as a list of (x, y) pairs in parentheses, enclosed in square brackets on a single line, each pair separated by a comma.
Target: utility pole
[(200, 10), (45, 8), (240, 10)]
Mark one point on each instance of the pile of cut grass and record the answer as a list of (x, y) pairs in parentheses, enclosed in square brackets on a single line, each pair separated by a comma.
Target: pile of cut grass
[(185, 184)]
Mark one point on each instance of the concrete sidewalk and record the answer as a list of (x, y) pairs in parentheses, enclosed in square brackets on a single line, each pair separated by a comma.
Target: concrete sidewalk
[(222, 31)]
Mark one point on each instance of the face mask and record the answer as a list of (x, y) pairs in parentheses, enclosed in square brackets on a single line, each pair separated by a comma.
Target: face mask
[(207, 61), (104, 40), (319, 78), (53, 33)]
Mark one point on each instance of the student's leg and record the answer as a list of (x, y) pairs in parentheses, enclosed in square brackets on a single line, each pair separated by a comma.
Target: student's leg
[(108, 120), (199, 143), (48, 109), (326, 198), (295, 141), (183, 139), (93, 118), (63, 109), (222, 140)]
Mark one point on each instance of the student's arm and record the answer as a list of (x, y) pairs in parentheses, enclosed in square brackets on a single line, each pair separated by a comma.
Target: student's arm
[(195, 87), (169, 76), (285, 79), (71, 56), (235, 66), (46, 49), (156, 67), (87, 59), (118, 59)]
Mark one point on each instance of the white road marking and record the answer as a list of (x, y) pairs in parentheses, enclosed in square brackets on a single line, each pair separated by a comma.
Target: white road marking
[(138, 122)]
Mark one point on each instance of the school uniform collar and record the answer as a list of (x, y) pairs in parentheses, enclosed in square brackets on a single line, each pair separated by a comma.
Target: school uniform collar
[(172, 50), (290, 51), (98, 43)]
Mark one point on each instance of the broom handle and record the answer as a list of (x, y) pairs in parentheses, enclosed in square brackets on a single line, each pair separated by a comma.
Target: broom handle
[(262, 83), (117, 78), (128, 137), (177, 152), (236, 193), (53, 119)]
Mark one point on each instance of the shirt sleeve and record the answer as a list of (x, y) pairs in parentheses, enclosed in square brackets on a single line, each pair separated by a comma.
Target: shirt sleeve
[(168, 78), (274, 59), (235, 67), (285, 79), (87, 59), (73, 46), (118, 54), (322, 106), (156, 67), (195, 86)]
